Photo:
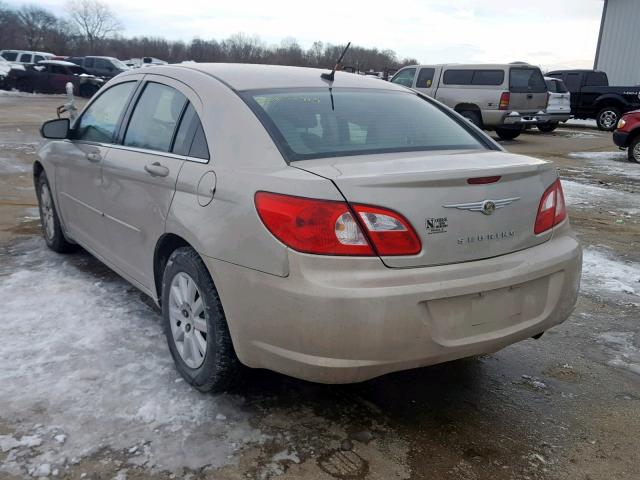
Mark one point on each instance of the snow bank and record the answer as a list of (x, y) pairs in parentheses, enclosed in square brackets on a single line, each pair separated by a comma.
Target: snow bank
[(603, 273), (622, 350), (580, 195), (576, 122), (16, 93), (613, 163), (85, 360)]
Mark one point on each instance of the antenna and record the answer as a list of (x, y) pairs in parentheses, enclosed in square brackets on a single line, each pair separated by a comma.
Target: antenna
[(330, 76)]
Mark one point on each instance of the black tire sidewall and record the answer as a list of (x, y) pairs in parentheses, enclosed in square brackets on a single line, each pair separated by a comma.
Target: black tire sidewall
[(547, 127), (209, 375), (58, 243), (630, 149), (508, 133), (473, 117)]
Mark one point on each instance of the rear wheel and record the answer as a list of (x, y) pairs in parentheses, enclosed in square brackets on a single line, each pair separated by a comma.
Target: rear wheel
[(473, 117), (547, 127), (633, 152), (607, 118), (195, 324), (24, 85), (51, 230), (508, 133)]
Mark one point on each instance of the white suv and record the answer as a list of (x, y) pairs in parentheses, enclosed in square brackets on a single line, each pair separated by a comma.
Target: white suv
[(25, 56)]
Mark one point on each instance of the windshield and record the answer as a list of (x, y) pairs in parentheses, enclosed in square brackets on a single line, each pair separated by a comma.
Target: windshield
[(317, 123), (118, 64)]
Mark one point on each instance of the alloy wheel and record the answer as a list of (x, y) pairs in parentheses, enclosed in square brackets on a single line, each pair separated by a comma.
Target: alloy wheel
[(608, 119), (188, 320)]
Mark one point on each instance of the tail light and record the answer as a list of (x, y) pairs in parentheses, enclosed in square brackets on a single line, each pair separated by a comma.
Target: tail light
[(328, 227), (505, 98), (552, 209)]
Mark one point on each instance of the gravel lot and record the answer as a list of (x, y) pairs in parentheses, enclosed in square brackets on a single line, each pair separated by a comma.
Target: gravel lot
[(88, 389)]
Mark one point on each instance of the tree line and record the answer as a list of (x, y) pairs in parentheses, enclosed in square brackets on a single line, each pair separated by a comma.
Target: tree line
[(90, 27)]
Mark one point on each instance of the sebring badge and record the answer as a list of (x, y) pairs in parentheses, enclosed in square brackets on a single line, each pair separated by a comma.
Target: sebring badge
[(485, 206)]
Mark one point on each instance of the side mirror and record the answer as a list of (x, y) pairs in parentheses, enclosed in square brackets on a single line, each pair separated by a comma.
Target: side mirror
[(57, 129)]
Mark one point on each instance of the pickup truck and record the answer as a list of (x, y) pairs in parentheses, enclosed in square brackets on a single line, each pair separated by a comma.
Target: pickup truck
[(592, 97)]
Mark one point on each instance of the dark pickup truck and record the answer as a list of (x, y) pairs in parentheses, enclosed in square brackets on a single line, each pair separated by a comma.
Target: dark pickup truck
[(592, 97)]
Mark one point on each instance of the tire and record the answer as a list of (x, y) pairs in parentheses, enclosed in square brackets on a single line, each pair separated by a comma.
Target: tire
[(24, 85), (87, 91), (547, 127), (508, 133), (607, 118), (633, 152), (51, 229), (473, 117), (192, 327)]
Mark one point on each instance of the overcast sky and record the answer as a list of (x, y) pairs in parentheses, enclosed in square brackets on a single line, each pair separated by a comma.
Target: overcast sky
[(550, 33)]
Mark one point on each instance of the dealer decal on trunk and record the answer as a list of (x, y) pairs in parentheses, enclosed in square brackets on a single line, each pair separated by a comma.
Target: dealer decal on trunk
[(437, 225)]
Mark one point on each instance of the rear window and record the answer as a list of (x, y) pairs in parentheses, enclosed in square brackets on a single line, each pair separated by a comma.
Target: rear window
[(10, 56), (317, 123), (596, 79), (526, 80)]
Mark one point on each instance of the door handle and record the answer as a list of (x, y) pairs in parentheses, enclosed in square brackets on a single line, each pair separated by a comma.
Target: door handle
[(529, 96), (94, 157), (156, 169)]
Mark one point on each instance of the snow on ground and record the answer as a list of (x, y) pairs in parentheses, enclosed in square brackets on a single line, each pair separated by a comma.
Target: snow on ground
[(622, 350), (9, 163), (576, 122), (84, 365), (614, 163), (603, 273), (16, 93), (580, 195)]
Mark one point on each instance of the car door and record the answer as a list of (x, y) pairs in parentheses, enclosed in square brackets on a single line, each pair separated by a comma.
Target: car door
[(140, 174), (79, 171), (57, 78)]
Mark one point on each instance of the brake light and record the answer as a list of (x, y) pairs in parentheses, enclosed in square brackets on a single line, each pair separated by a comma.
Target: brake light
[(483, 180), (504, 100), (552, 209), (328, 227)]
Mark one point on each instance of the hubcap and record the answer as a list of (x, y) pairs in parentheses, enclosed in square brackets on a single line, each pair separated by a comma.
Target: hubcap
[(188, 320), (608, 119), (46, 212)]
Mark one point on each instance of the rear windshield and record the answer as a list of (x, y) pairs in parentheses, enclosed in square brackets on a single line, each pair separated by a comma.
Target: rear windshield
[(317, 123), (11, 56), (526, 80)]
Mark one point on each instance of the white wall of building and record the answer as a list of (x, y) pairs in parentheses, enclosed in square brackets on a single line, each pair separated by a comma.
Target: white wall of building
[(618, 51)]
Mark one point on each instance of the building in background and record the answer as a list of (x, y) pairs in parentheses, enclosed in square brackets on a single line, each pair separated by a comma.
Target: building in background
[(618, 52)]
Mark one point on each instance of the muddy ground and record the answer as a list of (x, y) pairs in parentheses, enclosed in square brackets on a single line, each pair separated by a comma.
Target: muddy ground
[(75, 402)]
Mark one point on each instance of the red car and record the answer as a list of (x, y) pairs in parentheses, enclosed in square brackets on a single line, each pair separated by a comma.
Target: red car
[(627, 135)]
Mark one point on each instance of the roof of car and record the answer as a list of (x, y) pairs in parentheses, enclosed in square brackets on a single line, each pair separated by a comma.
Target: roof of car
[(29, 51), (484, 66), (574, 70), (57, 62), (243, 76)]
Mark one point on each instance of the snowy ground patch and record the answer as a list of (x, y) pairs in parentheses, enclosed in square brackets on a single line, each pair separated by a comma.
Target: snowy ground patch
[(612, 163), (603, 273), (84, 366), (622, 350), (581, 195), (578, 122), (17, 93)]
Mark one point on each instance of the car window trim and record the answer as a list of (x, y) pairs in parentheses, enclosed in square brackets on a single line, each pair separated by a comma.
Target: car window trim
[(119, 121)]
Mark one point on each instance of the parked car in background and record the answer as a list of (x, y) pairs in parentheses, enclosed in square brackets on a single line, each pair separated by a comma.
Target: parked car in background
[(51, 76), (25, 56), (105, 67), (627, 135), (592, 97), (144, 62), (500, 97), (364, 229), (5, 68), (558, 104)]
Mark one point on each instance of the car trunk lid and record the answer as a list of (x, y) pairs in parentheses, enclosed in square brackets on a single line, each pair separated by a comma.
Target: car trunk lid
[(432, 190)]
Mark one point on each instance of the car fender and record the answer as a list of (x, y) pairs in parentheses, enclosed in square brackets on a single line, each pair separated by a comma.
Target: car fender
[(611, 99)]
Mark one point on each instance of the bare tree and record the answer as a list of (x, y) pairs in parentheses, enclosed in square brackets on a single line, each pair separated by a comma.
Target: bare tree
[(94, 19), (36, 23)]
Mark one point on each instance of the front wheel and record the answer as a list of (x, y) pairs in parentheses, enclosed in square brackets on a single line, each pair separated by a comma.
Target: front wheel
[(508, 133), (51, 229), (547, 127), (607, 118), (633, 152), (195, 324)]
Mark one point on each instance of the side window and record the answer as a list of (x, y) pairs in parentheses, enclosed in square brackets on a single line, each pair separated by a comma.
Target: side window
[(38, 58), (457, 77), (98, 123), (88, 62), (404, 77), (596, 79), (155, 117), (488, 77), (573, 82), (26, 58), (101, 63), (190, 139), (57, 69), (551, 85), (425, 78), (560, 88), (10, 56)]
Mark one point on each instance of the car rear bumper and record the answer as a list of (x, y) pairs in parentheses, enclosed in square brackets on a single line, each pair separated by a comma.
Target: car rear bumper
[(515, 119), (558, 117), (621, 139), (342, 320)]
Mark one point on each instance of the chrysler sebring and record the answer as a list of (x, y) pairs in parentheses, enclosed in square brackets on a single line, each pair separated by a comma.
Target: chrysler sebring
[(332, 229)]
